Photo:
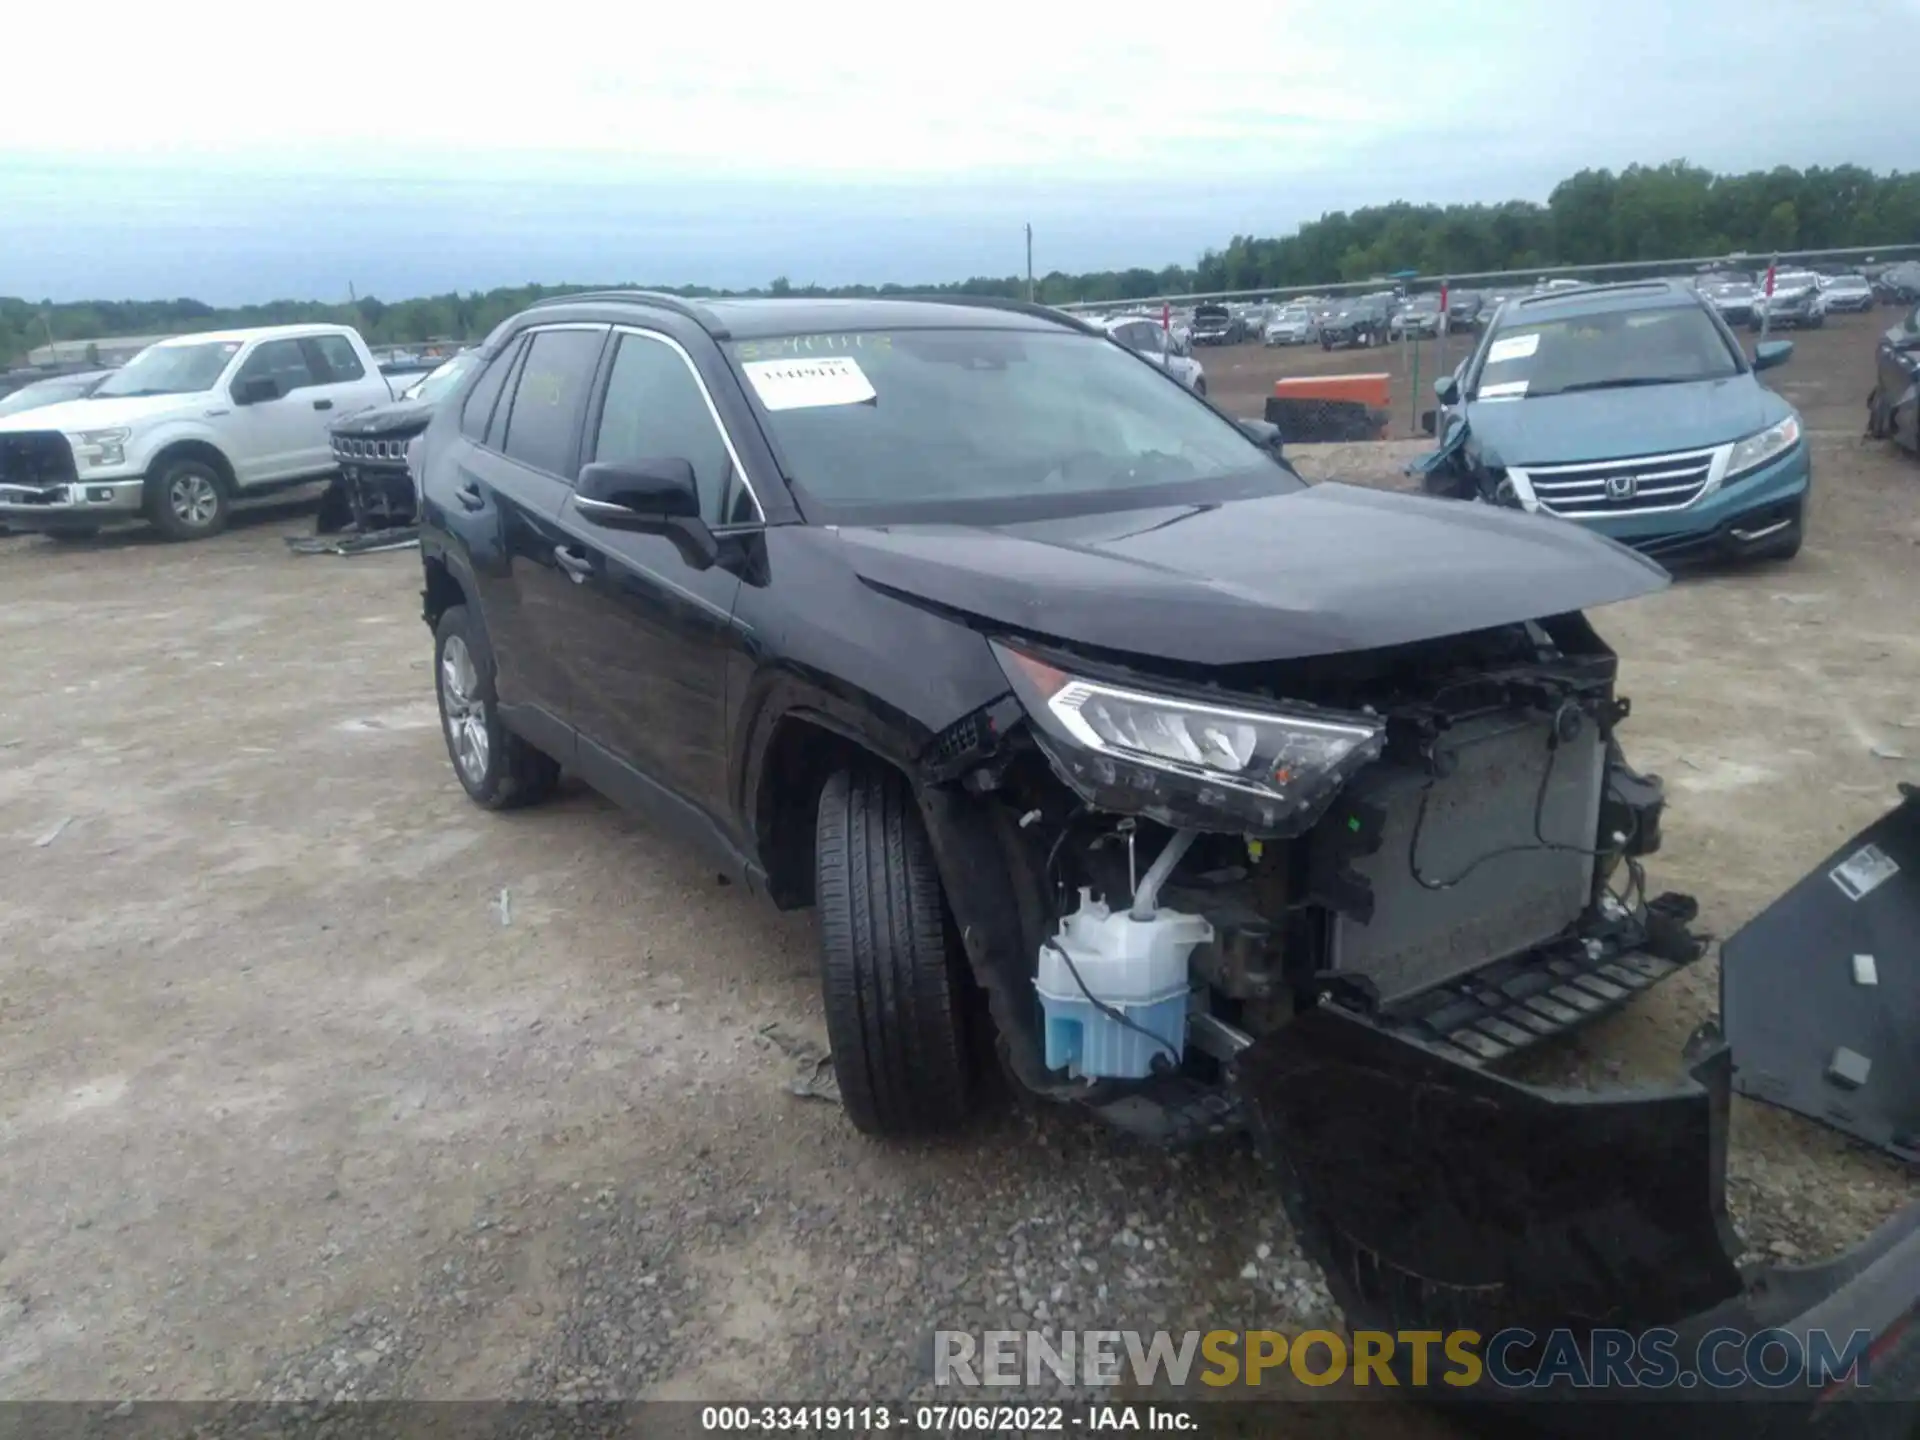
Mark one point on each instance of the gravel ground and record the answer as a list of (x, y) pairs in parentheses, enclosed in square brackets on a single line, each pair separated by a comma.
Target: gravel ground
[(295, 1105)]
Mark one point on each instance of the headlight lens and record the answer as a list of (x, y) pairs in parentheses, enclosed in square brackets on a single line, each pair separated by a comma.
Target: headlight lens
[(101, 447), (1191, 762), (1757, 450)]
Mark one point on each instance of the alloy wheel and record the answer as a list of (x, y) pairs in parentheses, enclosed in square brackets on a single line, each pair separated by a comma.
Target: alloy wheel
[(194, 500), (465, 713)]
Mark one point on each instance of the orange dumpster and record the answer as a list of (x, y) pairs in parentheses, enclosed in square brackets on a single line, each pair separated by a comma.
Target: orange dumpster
[(1374, 390), (1331, 407)]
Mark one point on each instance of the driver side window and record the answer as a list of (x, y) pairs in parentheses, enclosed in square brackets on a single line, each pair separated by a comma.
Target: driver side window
[(282, 361), (656, 410)]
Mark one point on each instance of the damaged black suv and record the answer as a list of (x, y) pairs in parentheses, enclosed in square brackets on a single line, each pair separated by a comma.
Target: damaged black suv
[(1109, 750)]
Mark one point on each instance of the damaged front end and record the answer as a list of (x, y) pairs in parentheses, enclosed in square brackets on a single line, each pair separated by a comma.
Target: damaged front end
[(1324, 900), (373, 502), (1447, 835)]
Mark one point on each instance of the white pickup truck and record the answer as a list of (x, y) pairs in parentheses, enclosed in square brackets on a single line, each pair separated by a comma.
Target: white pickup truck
[(185, 429)]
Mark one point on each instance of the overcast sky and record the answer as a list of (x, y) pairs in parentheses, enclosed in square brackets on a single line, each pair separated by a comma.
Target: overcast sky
[(238, 152)]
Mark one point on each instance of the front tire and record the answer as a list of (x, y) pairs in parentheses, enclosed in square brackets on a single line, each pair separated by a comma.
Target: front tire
[(1200, 386), (497, 769), (187, 499), (890, 973)]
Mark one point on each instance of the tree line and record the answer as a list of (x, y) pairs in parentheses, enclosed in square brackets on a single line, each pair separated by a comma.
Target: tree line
[(1643, 213)]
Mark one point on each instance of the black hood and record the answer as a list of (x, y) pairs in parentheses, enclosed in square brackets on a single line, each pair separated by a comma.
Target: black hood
[(1320, 571), (399, 417)]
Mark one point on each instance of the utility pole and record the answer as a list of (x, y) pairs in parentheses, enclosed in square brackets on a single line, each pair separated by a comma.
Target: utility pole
[(1030, 262)]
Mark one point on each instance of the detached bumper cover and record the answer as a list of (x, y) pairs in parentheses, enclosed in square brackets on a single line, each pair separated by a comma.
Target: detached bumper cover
[(1438, 1197), (1821, 990)]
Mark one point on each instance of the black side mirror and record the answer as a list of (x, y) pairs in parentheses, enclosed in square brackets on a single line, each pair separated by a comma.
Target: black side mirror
[(648, 497), (255, 391), (1265, 434), (1447, 390)]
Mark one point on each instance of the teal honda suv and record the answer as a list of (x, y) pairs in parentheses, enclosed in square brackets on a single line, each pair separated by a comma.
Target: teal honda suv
[(1632, 410)]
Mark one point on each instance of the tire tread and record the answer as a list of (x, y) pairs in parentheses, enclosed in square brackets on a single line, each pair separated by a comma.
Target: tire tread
[(889, 977)]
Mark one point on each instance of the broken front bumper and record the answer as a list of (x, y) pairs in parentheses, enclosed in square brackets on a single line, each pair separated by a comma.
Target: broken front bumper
[(1437, 1196), (69, 506)]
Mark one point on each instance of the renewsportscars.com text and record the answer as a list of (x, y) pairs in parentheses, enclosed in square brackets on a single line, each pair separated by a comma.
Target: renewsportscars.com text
[(1460, 1359)]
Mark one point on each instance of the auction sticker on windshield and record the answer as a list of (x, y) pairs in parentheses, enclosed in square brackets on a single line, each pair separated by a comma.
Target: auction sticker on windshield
[(803, 384), (1514, 347)]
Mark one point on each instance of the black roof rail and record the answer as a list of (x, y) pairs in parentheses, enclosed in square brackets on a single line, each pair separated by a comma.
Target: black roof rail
[(679, 305), (999, 302)]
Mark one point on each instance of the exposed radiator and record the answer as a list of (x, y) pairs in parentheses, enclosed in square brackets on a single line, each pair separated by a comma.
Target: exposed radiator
[(1419, 937)]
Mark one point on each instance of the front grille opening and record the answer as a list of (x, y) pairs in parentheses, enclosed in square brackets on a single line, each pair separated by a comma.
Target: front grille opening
[(1623, 487), (36, 458)]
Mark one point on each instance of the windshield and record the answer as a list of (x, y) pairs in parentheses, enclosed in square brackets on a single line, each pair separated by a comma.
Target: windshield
[(1610, 350), (436, 384), (970, 424), (171, 370), (1850, 282)]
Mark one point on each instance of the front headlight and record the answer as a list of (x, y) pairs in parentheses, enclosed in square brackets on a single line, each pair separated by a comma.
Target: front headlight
[(1190, 762), (101, 447), (1770, 443)]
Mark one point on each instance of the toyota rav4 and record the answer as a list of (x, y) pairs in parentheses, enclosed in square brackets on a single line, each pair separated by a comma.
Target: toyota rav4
[(1106, 747)]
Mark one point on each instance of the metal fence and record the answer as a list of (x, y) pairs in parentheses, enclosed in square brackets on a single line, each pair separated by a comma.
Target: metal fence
[(1517, 279)]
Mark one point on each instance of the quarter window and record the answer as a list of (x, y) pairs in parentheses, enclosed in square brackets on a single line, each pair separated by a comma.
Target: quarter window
[(282, 361), (549, 396), (656, 410)]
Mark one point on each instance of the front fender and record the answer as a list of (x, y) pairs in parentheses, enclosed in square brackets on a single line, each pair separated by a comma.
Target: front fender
[(147, 443)]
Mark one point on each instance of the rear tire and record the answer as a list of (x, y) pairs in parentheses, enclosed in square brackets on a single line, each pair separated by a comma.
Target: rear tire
[(497, 769), (1200, 387), (1879, 422), (891, 975), (187, 500)]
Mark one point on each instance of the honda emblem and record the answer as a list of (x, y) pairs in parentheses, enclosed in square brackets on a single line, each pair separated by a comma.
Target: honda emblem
[(1621, 487)]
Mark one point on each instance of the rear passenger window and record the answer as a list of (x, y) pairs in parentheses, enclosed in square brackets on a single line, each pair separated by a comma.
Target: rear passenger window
[(549, 397), (480, 404), (655, 410), (338, 363)]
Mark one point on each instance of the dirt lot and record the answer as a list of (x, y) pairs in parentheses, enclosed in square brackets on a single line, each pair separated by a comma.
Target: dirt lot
[(315, 1079)]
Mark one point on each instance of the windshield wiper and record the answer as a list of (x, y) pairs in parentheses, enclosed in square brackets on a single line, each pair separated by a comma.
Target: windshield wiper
[(1625, 382)]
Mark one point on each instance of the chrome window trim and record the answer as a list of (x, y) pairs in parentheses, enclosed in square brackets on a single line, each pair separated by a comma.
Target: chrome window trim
[(713, 414)]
